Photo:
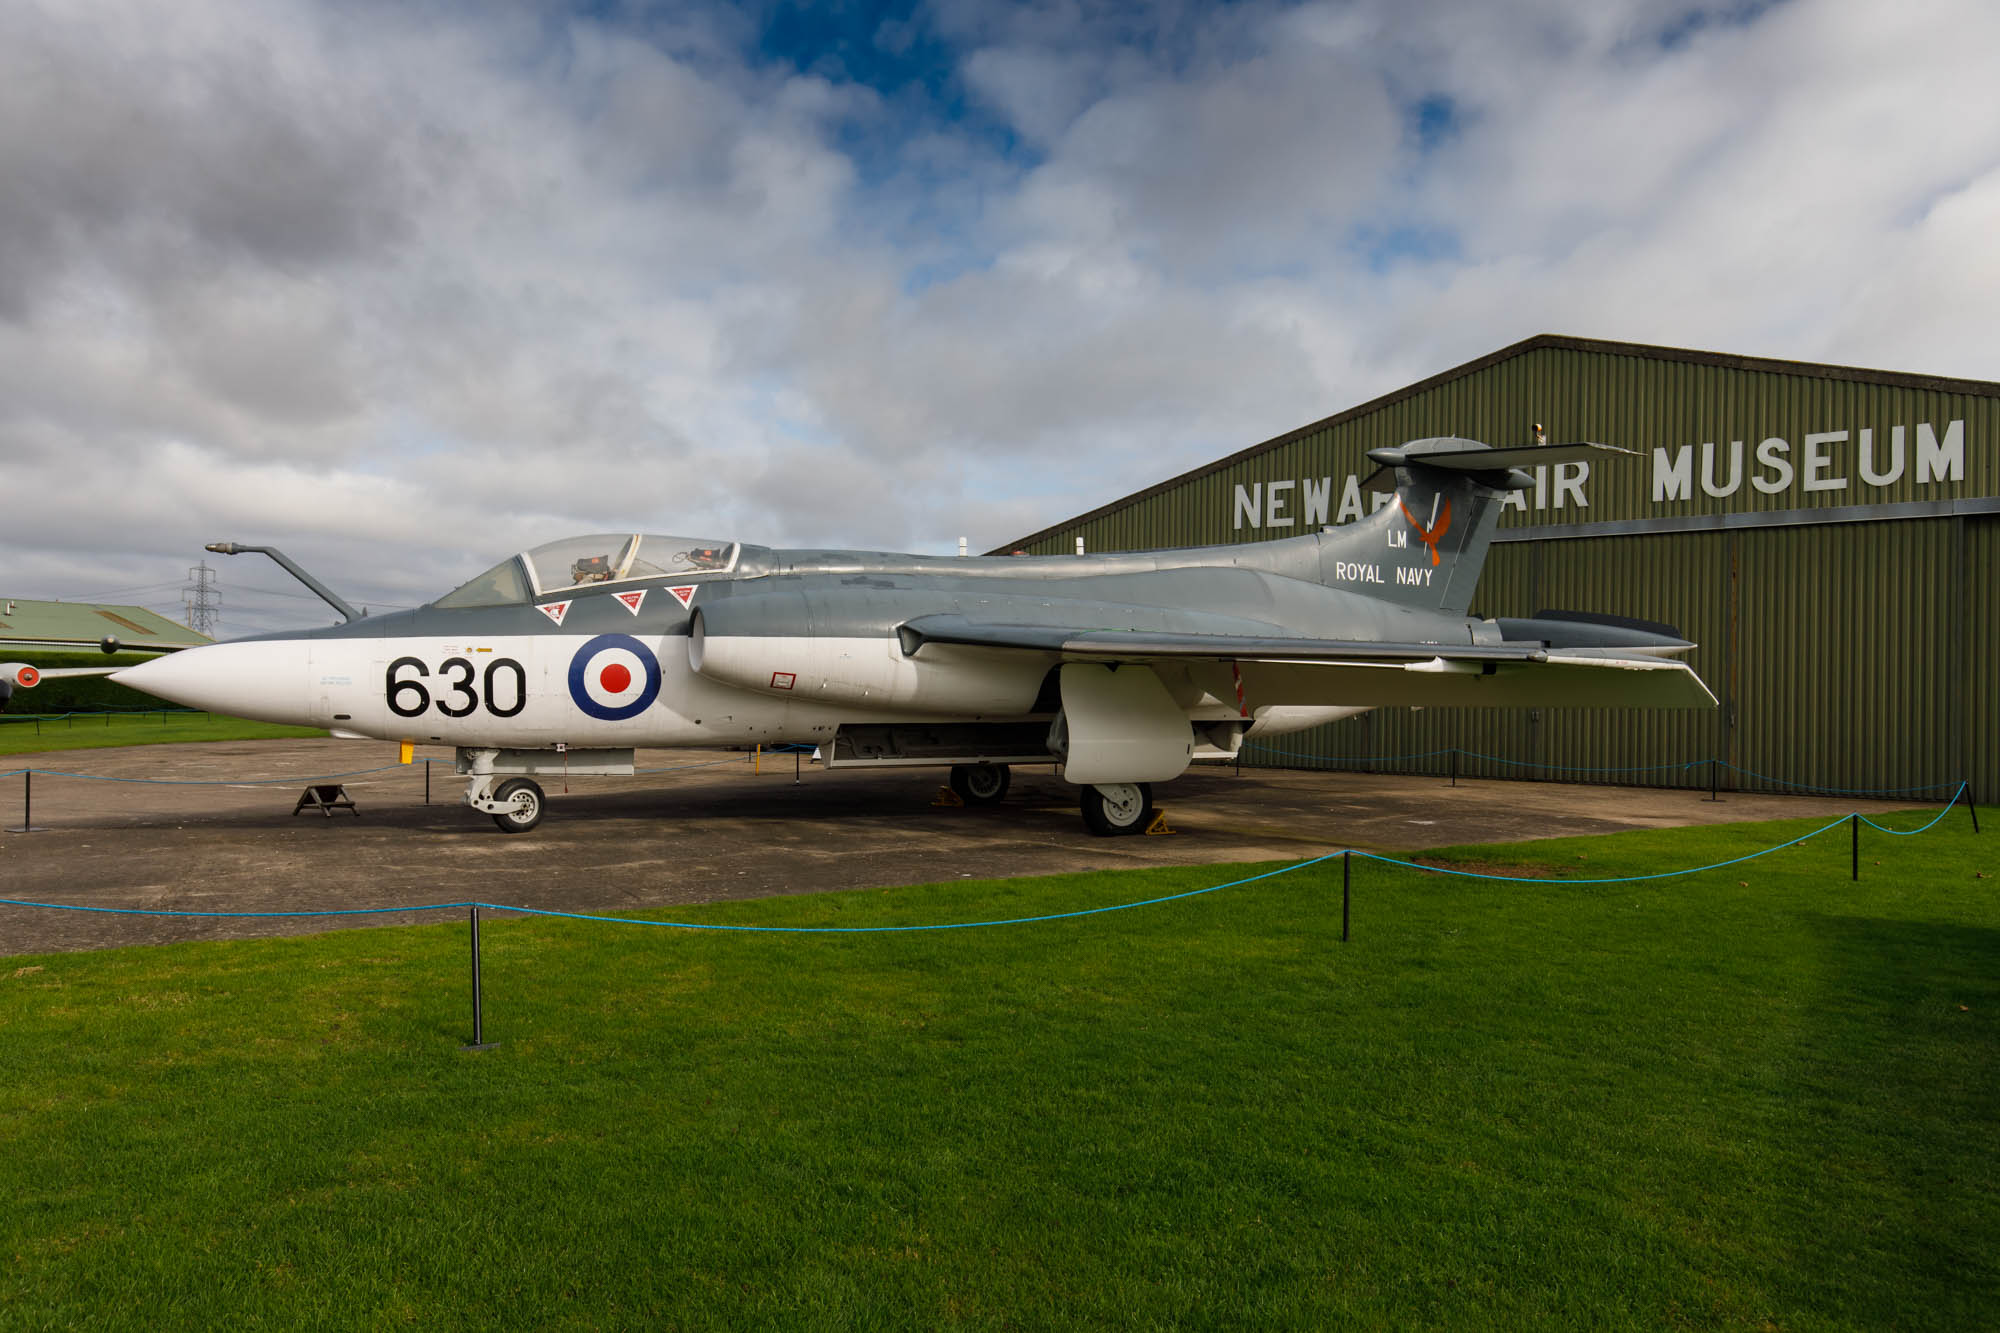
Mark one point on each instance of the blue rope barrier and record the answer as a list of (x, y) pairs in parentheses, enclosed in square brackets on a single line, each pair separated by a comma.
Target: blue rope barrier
[(1683, 766), (1619, 879), (681, 925), (1347, 758), (192, 782), (1912, 832), (1837, 791), (101, 712), (682, 768), (892, 930), (674, 768), (320, 777), (1007, 921), (1569, 768)]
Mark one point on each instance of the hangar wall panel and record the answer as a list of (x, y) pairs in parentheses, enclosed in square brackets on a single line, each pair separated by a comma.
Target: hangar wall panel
[(1980, 728), (1848, 625), (1835, 701)]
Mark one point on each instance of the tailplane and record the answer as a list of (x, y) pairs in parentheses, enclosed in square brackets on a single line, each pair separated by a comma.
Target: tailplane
[(1426, 548)]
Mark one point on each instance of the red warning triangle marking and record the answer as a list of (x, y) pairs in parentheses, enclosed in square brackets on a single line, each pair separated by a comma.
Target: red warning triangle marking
[(684, 595), (632, 600), (554, 610)]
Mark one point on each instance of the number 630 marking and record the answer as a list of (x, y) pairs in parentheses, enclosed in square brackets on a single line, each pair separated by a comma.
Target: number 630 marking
[(409, 697)]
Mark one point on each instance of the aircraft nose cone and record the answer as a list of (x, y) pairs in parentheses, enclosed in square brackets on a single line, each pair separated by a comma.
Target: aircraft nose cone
[(265, 681)]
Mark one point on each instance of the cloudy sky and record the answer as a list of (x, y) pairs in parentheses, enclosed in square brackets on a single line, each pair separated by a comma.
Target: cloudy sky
[(401, 287)]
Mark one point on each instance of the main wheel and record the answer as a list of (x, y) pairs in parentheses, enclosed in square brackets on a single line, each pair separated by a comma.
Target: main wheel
[(1118, 807), (525, 803), (981, 784)]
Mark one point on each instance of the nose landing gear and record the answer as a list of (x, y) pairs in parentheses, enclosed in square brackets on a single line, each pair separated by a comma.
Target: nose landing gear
[(516, 804), (522, 798)]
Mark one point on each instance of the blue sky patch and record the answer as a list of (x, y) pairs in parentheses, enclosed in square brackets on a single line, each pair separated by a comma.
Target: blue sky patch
[(1383, 247), (1434, 121)]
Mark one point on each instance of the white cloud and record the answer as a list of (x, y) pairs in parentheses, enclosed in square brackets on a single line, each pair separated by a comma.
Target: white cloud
[(400, 287)]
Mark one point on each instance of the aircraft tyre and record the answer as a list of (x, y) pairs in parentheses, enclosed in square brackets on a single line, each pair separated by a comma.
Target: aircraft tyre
[(1118, 808), (526, 805), (981, 784)]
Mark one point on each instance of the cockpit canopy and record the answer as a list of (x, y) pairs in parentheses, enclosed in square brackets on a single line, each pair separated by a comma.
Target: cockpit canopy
[(585, 562)]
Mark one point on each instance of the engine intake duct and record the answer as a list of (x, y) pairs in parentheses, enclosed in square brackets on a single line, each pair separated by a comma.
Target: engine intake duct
[(755, 643)]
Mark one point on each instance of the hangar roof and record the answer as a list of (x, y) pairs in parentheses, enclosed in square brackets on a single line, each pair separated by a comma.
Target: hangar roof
[(25, 623), (1540, 342)]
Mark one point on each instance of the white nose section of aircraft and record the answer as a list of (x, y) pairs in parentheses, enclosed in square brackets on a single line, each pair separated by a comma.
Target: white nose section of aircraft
[(265, 681)]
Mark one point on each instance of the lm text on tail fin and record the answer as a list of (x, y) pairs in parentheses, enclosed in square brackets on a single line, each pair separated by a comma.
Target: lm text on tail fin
[(1426, 549)]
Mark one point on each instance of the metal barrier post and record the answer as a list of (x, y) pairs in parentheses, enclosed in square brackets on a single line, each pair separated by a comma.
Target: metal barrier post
[(1713, 764), (27, 804), (427, 782), (798, 768), (479, 1042), (1345, 881), (1454, 765), (1854, 826)]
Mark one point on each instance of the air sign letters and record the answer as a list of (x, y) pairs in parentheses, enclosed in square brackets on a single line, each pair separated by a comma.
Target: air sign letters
[(1821, 462)]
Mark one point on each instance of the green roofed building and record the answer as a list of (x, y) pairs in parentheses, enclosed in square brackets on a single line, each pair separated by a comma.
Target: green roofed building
[(75, 626), (1829, 537)]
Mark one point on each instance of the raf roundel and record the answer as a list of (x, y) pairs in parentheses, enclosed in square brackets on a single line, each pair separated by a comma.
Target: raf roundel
[(614, 677)]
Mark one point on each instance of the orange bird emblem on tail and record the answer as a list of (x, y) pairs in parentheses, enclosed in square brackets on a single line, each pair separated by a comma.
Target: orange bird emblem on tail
[(1429, 536)]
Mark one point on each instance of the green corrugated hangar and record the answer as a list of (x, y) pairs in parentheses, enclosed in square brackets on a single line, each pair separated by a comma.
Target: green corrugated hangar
[(81, 626), (1828, 537)]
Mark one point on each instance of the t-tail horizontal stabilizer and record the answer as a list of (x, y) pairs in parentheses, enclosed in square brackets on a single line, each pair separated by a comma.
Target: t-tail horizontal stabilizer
[(1426, 550), (1480, 458)]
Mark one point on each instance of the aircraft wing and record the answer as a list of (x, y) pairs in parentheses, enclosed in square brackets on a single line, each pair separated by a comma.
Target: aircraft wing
[(1135, 645), (1350, 673), (20, 675)]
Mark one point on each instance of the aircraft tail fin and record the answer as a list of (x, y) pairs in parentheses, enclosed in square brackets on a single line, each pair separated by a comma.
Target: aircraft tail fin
[(1426, 548)]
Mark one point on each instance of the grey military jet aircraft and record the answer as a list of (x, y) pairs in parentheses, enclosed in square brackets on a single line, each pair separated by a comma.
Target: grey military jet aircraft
[(1120, 670)]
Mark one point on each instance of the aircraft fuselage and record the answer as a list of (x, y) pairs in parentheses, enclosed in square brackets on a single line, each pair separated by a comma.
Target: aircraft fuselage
[(1121, 669)]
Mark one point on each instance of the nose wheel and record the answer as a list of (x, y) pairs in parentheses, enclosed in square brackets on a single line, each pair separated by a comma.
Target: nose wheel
[(1118, 808), (516, 804), (524, 804)]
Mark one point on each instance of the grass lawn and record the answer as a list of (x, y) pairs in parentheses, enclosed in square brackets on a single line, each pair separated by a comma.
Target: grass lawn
[(1761, 1098), (28, 734)]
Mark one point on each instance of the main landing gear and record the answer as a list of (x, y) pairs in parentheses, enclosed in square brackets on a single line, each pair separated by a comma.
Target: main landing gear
[(980, 784), (1110, 810), (1118, 808)]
